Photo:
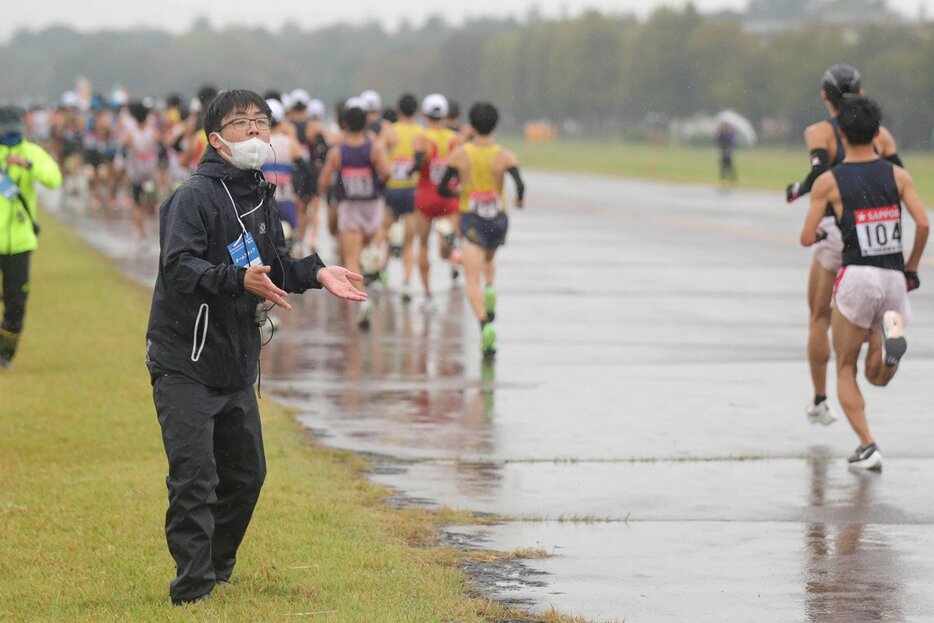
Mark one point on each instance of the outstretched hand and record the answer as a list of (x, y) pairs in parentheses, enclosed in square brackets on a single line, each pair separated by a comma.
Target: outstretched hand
[(337, 281), (257, 281)]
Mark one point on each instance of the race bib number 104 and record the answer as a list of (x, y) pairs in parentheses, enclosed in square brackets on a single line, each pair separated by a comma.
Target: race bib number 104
[(879, 230)]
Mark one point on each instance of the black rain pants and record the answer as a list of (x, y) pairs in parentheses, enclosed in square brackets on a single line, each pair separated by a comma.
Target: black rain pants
[(214, 444), (14, 273)]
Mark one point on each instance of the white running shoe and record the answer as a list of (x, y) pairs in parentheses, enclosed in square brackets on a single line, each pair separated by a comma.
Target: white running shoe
[(396, 238), (822, 413), (406, 293), (893, 342), (369, 261), (428, 305), (364, 314), (444, 227), (866, 458)]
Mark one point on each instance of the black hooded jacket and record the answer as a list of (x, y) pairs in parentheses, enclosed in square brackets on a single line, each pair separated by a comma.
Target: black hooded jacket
[(202, 321)]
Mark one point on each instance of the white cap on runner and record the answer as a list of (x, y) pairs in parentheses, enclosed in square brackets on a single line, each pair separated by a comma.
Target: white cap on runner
[(435, 106), (355, 102), (278, 110), (300, 97), (316, 109), (372, 101), (70, 99)]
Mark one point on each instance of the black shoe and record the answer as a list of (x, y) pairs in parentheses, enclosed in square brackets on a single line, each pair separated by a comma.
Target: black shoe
[(866, 457), (5, 362), (185, 602), (893, 342)]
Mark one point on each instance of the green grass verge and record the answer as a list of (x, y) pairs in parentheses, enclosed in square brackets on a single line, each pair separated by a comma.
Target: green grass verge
[(82, 491), (766, 168)]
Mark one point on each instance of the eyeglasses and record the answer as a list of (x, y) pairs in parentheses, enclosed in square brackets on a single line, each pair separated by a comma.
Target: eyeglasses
[(243, 124)]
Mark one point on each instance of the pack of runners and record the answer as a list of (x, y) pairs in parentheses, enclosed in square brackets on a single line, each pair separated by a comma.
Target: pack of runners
[(395, 182), (389, 179)]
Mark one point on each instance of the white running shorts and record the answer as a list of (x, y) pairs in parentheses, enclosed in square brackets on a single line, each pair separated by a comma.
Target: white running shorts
[(864, 293), (829, 251), (364, 215)]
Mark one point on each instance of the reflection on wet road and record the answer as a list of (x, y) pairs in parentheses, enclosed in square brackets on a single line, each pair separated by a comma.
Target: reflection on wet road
[(644, 418)]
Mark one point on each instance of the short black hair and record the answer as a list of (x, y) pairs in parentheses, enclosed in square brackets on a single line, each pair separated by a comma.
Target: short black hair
[(139, 111), (355, 118), (339, 114), (454, 109), (859, 120), (390, 115), (408, 105), (483, 118), (238, 100)]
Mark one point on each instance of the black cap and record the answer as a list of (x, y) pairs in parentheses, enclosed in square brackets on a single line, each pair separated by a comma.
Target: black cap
[(840, 81), (11, 120)]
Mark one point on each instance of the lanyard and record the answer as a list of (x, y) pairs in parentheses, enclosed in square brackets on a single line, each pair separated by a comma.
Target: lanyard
[(236, 211)]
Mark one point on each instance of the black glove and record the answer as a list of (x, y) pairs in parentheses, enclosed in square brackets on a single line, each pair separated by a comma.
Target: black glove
[(792, 192), (912, 280)]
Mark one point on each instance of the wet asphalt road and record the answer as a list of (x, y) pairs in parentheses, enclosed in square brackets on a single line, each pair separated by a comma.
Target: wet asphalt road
[(644, 419)]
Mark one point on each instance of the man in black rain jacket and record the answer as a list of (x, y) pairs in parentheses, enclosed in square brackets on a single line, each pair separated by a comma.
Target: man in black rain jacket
[(222, 257)]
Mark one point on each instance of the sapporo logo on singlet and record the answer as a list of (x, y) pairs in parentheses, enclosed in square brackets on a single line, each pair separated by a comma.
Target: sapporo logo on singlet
[(879, 230)]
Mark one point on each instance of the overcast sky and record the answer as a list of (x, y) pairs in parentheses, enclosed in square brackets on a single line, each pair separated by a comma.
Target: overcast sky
[(177, 15)]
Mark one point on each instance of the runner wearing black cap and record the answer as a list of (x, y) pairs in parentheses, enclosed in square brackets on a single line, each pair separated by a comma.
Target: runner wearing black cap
[(825, 145), (865, 193)]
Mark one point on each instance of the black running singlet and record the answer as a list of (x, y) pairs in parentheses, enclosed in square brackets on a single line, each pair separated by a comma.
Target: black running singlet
[(837, 159), (871, 223), (841, 150)]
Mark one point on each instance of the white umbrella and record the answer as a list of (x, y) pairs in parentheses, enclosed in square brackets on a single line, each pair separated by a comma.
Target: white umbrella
[(744, 130)]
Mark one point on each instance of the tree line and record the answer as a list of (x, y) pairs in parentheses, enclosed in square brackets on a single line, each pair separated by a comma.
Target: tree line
[(607, 74)]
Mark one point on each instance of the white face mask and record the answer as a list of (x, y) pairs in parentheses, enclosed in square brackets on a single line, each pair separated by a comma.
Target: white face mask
[(247, 155)]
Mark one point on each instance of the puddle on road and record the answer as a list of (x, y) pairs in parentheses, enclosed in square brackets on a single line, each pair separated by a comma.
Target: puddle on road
[(720, 571)]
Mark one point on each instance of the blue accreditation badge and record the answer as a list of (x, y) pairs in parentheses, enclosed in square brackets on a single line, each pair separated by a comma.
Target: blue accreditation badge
[(243, 251), (8, 188), (252, 253)]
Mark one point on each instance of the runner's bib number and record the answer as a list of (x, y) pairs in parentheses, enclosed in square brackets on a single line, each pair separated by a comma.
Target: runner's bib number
[(485, 204), (358, 182), (879, 230), (436, 169), (401, 168)]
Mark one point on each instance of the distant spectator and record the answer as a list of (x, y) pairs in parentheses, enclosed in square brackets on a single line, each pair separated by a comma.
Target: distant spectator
[(22, 164), (726, 142)]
